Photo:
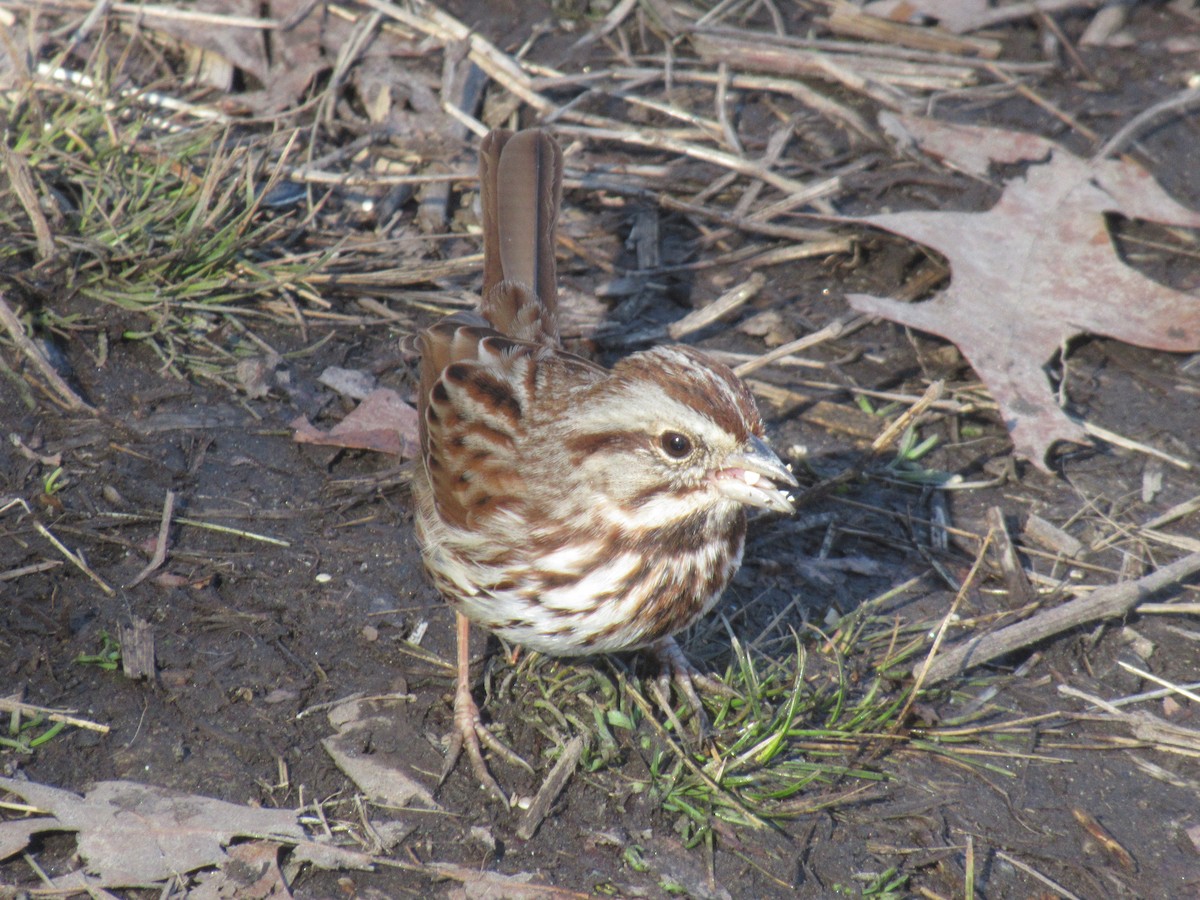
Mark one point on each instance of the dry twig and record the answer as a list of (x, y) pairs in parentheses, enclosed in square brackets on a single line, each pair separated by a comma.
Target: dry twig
[(1103, 603)]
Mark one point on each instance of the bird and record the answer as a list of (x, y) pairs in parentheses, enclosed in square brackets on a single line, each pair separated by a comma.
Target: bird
[(566, 507)]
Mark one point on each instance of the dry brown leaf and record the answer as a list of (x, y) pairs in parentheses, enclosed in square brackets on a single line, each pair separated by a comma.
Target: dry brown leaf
[(474, 884), (961, 16), (282, 60), (132, 834), (255, 876), (1037, 269), (372, 763), (382, 422)]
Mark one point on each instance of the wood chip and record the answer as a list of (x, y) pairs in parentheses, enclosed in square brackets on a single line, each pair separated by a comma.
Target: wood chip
[(1051, 537), (551, 788), (137, 650)]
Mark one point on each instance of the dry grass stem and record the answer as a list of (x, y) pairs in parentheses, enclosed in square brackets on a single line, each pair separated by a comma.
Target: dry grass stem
[(901, 423), (1129, 444), (652, 140), (849, 21), (12, 705), (160, 544), (1034, 873), (1150, 676), (839, 327), (728, 302)]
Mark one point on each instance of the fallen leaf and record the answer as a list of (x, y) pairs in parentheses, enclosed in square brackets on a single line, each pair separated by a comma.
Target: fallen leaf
[(957, 16), (132, 834), (484, 885), (366, 758), (256, 876), (382, 422), (353, 383), (769, 326), (1036, 270)]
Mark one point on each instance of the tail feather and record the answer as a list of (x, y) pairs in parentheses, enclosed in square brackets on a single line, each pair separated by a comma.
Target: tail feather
[(521, 184)]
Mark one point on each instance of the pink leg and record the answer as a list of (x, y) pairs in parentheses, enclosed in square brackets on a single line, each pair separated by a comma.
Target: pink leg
[(469, 731)]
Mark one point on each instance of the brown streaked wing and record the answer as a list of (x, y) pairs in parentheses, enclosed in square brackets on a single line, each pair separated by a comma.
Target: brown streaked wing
[(440, 345), (472, 431)]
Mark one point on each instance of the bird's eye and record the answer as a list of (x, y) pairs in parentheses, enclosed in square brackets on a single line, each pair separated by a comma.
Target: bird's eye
[(676, 445)]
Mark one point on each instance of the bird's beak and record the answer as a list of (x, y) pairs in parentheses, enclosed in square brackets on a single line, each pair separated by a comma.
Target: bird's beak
[(749, 475)]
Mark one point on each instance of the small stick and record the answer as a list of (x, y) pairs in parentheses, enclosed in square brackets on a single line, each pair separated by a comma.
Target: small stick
[(160, 11), (237, 532), (835, 329), (160, 546), (1053, 26), (1034, 97), (1162, 682), (1178, 103), (722, 306), (657, 141), (1103, 603), (1130, 444), (21, 572), (1044, 879), (16, 331), (76, 561), (932, 394)]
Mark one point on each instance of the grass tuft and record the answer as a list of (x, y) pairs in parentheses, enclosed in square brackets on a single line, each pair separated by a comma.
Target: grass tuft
[(159, 230), (803, 733)]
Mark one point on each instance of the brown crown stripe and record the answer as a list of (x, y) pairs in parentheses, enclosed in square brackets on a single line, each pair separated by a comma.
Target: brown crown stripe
[(713, 401)]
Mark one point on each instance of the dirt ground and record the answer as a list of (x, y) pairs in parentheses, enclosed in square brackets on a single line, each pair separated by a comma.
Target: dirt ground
[(254, 640)]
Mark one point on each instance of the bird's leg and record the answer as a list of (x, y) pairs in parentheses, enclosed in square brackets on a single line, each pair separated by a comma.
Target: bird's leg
[(674, 666), (469, 731)]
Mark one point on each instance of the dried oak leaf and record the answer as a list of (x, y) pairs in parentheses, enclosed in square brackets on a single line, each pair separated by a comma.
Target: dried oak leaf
[(133, 834), (281, 45), (1037, 269), (958, 16), (383, 422)]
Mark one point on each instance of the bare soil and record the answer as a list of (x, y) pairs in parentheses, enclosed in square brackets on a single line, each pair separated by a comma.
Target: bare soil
[(253, 634)]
